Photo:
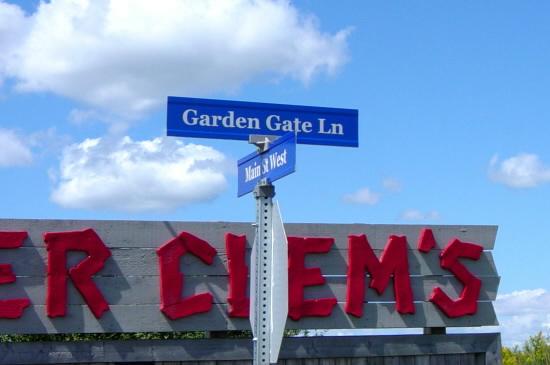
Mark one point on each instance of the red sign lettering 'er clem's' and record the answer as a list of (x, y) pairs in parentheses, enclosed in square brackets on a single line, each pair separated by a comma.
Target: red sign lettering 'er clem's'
[(361, 260)]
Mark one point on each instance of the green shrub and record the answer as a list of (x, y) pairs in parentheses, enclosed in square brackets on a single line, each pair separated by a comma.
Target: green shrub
[(133, 336), (535, 351), (104, 336)]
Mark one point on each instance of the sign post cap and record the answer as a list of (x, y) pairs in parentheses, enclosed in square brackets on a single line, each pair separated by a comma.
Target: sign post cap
[(262, 141)]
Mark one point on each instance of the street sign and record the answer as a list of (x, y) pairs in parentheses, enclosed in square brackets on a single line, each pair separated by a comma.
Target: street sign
[(225, 119), (278, 161)]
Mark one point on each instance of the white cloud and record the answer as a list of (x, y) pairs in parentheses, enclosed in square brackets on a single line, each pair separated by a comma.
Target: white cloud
[(522, 314), (125, 57), (417, 215), (48, 141), (13, 150), (117, 125), (524, 170), (126, 175), (392, 185), (12, 30), (362, 196), (82, 116)]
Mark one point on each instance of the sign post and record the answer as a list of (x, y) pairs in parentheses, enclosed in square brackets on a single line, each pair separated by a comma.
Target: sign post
[(261, 123), (269, 278), (262, 277), (269, 281)]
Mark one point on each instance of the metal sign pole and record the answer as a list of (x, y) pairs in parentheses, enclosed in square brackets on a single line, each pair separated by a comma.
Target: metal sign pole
[(275, 158), (263, 193), (269, 279)]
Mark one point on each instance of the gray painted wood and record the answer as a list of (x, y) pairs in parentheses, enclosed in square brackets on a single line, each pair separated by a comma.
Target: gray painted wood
[(29, 261), (309, 350), (153, 234), (335, 262), (145, 289), (148, 318), (493, 354), (130, 280)]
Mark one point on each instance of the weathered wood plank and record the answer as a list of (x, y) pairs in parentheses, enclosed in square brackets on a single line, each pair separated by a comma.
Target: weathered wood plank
[(421, 287), (29, 261), (384, 315), (335, 262), (153, 234), (148, 318), (145, 289), (293, 350)]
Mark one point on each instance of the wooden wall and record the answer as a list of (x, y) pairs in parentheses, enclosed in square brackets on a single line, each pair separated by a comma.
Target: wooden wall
[(130, 278)]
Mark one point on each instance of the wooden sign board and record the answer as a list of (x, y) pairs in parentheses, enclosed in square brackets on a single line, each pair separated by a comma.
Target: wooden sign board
[(130, 278)]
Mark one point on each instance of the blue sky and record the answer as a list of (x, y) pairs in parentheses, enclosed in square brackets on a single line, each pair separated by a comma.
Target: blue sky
[(452, 99)]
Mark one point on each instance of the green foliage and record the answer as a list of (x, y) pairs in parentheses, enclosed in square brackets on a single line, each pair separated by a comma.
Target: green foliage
[(105, 336), (133, 336), (535, 351)]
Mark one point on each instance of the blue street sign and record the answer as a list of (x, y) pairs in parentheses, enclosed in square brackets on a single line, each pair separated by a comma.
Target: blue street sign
[(278, 161), (206, 118)]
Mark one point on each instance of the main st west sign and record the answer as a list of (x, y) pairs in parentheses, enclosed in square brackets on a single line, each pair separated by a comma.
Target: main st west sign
[(113, 276)]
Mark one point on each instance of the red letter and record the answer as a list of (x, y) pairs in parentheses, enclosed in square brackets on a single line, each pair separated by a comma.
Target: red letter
[(393, 261), (11, 308), (467, 302), (426, 240), (171, 278), (299, 277), (58, 244), (239, 303)]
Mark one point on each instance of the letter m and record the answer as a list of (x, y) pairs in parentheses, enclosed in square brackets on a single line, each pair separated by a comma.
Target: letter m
[(393, 261)]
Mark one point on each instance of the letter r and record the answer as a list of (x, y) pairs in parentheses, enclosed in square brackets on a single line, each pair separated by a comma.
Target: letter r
[(58, 244)]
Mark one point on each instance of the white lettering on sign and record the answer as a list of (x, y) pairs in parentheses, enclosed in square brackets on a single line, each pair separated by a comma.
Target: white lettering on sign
[(191, 117), (185, 117), (267, 164), (277, 159), (335, 128), (272, 122), (252, 172)]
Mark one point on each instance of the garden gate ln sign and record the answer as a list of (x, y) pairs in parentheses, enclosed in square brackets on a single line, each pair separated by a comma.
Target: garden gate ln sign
[(206, 118)]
